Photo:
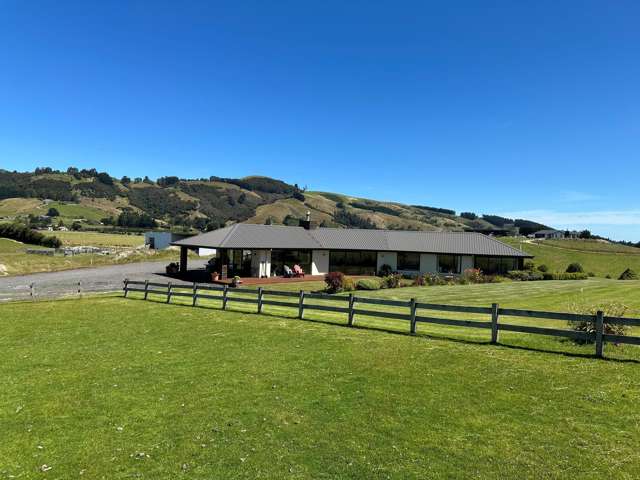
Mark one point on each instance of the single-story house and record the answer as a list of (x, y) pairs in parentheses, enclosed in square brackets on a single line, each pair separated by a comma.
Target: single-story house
[(250, 250), (548, 234)]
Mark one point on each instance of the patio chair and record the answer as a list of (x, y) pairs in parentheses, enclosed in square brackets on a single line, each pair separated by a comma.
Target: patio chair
[(298, 271), (287, 271)]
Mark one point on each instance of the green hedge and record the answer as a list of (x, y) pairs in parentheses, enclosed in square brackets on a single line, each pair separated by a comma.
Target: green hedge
[(24, 234), (369, 284)]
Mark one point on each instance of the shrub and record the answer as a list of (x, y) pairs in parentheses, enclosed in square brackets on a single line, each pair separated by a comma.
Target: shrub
[(24, 234), (473, 275), (575, 268), (385, 270), (348, 284), (628, 274), (391, 281), (334, 282), (611, 309), (53, 212), (525, 275), (369, 284), (528, 266), (608, 275), (434, 279), (543, 268), (565, 276), (419, 281), (591, 274)]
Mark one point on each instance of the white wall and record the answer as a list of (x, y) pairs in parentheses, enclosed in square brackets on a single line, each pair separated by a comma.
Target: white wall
[(260, 263), (319, 262), (388, 258)]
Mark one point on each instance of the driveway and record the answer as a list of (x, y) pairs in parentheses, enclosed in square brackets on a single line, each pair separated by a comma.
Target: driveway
[(66, 282)]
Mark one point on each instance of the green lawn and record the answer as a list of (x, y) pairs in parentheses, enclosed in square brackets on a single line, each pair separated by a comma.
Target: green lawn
[(117, 388), (598, 258), (97, 239)]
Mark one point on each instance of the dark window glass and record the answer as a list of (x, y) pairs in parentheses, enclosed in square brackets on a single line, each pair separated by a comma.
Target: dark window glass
[(494, 265), (448, 263), (353, 262), (408, 261)]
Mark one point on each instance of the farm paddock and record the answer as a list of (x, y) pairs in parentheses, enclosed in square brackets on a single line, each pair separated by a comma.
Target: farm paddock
[(117, 387)]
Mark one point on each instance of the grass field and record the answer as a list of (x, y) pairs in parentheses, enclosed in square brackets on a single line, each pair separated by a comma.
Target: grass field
[(96, 239), (596, 257), (15, 261), (116, 388)]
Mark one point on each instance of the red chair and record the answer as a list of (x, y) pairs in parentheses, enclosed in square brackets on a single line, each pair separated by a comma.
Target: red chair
[(298, 271)]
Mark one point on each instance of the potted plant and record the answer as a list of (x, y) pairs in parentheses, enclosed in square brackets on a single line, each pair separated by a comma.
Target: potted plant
[(236, 281)]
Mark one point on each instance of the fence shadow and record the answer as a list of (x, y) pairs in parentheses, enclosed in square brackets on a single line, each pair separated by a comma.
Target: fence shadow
[(382, 329)]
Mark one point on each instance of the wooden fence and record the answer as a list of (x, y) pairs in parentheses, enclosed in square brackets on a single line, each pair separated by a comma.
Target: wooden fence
[(411, 311)]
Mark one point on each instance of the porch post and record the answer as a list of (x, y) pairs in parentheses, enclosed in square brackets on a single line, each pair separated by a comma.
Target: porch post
[(183, 259)]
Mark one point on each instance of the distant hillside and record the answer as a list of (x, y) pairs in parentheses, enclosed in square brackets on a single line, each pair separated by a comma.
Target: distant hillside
[(95, 198)]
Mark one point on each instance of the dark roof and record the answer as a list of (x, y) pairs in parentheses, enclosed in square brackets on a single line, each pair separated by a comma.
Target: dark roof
[(253, 236), (548, 231)]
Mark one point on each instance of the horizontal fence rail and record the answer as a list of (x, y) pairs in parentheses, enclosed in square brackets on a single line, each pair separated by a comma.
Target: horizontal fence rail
[(50, 290), (411, 308)]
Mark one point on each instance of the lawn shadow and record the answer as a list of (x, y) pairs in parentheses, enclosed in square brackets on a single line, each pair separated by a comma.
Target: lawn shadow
[(375, 328)]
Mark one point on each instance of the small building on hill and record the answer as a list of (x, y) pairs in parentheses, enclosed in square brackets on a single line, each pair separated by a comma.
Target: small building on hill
[(548, 234), (249, 250)]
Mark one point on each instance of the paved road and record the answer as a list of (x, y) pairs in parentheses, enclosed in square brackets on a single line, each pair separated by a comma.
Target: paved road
[(91, 279)]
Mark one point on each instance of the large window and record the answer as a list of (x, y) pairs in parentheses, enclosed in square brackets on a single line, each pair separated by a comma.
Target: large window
[(448, 263), (493, 265), (408, 261), (353, 262), (280, 258), (240, 263)]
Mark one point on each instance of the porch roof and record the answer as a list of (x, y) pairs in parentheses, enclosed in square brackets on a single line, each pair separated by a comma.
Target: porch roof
[(253, 236)]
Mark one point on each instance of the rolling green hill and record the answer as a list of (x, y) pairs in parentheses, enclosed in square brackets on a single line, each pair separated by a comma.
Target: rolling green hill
[(92, 197), (598, 257)]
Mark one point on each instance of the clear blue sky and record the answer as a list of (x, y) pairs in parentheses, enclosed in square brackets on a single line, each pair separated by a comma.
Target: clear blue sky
[(520, 108)]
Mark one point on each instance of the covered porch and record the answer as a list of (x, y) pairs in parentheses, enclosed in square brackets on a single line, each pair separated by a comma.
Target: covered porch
[(254, 263)]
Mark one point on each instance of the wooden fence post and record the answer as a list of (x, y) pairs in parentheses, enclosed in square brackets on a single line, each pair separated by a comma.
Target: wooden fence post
[(351, 314), (168, 292), (301, 305), (126, 287), (260, 293), (224, 297), (32, 291), (599, 333), (412, 307), (146, 289), (80, 289), (195, 294), (494, 322)]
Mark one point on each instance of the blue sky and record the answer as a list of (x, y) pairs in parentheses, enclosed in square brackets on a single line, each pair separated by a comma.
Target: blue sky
[(521, 108)]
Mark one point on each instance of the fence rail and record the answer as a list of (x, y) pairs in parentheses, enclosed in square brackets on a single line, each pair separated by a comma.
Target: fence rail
[(49, 290), (410, 314)]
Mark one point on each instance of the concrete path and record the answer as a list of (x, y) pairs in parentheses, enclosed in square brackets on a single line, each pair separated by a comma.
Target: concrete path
[(52, 284)]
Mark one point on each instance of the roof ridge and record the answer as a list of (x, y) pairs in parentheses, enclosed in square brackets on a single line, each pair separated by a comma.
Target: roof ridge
[(498, 241)]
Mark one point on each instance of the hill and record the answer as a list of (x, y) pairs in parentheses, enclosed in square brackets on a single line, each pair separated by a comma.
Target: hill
[(599, 257), (89, 197)]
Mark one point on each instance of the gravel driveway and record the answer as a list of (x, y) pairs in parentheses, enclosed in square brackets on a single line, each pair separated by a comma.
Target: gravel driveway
[(107, 278)]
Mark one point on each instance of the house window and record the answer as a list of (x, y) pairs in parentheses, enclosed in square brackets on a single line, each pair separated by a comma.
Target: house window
[(493, 265), (280, 258), (408, 261), (448, 263), (353, 262)]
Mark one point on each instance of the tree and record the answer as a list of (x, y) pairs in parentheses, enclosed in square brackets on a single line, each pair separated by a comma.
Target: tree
[(586, 234), (53, 212), (575, 268), (105, 178), (469, 215), (75, 226), (125, 180)]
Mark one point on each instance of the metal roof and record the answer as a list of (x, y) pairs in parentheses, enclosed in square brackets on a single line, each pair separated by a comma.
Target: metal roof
[(253, 236)]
